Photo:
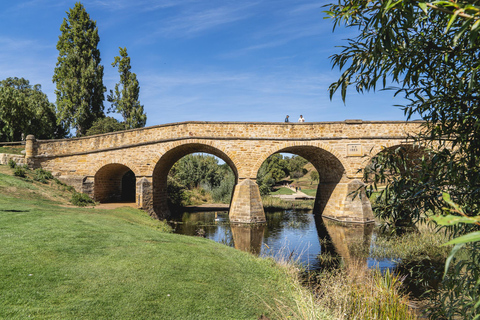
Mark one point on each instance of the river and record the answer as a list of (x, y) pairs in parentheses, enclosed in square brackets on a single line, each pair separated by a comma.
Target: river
[(288, 234)]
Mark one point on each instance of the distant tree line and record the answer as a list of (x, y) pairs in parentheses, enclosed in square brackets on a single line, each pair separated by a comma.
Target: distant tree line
[(278, 167), (203, 173), (80, 93)]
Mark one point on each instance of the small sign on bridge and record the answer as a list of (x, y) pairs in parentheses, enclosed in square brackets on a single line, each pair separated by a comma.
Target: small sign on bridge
[(354, 150)]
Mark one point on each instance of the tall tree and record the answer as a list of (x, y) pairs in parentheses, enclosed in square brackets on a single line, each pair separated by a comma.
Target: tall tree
[(125, 98), (105, 125), (78, 74), (25, 109), (429, 50)]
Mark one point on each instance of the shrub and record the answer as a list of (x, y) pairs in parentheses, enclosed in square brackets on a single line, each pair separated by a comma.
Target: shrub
[(19, 172), (176, 192), (223, 193), (12, 164), (81, 199), (63, 186), (42, 175)]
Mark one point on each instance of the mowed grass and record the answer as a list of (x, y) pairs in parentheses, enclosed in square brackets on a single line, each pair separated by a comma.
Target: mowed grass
[(60, 262), (310, 192), (12, 149), (282, 191)]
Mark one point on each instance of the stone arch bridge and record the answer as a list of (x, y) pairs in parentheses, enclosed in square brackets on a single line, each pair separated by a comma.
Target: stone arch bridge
[(102, 165)]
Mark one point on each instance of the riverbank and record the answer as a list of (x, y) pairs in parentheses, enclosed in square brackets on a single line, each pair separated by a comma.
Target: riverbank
[(65, 262)]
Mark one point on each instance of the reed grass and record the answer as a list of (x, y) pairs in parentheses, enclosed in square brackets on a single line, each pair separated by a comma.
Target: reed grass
[(347, 293), (427, 242)]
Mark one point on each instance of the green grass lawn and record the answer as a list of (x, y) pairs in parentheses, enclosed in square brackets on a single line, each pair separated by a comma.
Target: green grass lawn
[(60, 262), (310, 192), (283, 191), (12, 149)]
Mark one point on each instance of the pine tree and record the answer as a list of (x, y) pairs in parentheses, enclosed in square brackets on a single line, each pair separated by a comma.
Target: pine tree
[(125, 98), (78, 74)]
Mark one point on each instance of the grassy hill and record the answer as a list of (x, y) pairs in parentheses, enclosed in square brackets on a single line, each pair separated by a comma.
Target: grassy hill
[(62, 262), (305, 182)]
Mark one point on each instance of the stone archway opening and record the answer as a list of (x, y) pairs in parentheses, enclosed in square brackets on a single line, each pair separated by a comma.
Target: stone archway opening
[(114, 183), (160, 179), (330, 173), (411, 156)]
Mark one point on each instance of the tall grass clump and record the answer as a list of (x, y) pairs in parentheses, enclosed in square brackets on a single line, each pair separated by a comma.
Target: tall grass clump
[(350, 293), (420, 256), (305, 304), (360, 293)]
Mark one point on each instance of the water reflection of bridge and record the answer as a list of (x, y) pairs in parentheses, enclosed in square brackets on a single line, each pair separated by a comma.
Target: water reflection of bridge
[(347, 241)]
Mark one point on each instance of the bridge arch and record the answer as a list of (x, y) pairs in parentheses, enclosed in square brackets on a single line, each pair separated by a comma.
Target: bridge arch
[(334, 193), (413, 154), (114, 182), (169, 158), (320, 155)]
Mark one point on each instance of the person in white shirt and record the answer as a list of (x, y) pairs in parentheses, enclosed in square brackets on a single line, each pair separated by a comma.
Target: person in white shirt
[(301, 119)]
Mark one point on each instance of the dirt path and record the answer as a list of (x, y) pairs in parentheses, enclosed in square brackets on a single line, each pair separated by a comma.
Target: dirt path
[(116, 205)]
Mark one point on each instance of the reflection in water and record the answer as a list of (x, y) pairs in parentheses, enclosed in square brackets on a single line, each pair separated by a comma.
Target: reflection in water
[(289, 233), (349, 240), (248, 237)]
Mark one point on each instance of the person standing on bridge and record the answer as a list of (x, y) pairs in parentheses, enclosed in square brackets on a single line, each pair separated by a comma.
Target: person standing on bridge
[(301, 119), (286, 118)]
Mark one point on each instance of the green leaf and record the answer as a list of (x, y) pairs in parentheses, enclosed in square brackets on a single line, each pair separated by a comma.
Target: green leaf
[(423, 6), (446, 198), (460, 32), (450, 257), (450, 220), (476, 25), (470, 237), (452, 19), (391, 5)]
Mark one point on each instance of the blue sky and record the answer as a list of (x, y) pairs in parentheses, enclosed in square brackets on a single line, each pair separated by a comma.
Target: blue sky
[(215, 60)]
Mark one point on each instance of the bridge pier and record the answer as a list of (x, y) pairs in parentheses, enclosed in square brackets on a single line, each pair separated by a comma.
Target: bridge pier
[(246, 205), (345, 201), (144, 194)]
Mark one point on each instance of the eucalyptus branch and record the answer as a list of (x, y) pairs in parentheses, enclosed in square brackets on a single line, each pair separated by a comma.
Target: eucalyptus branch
[(460, 14)]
